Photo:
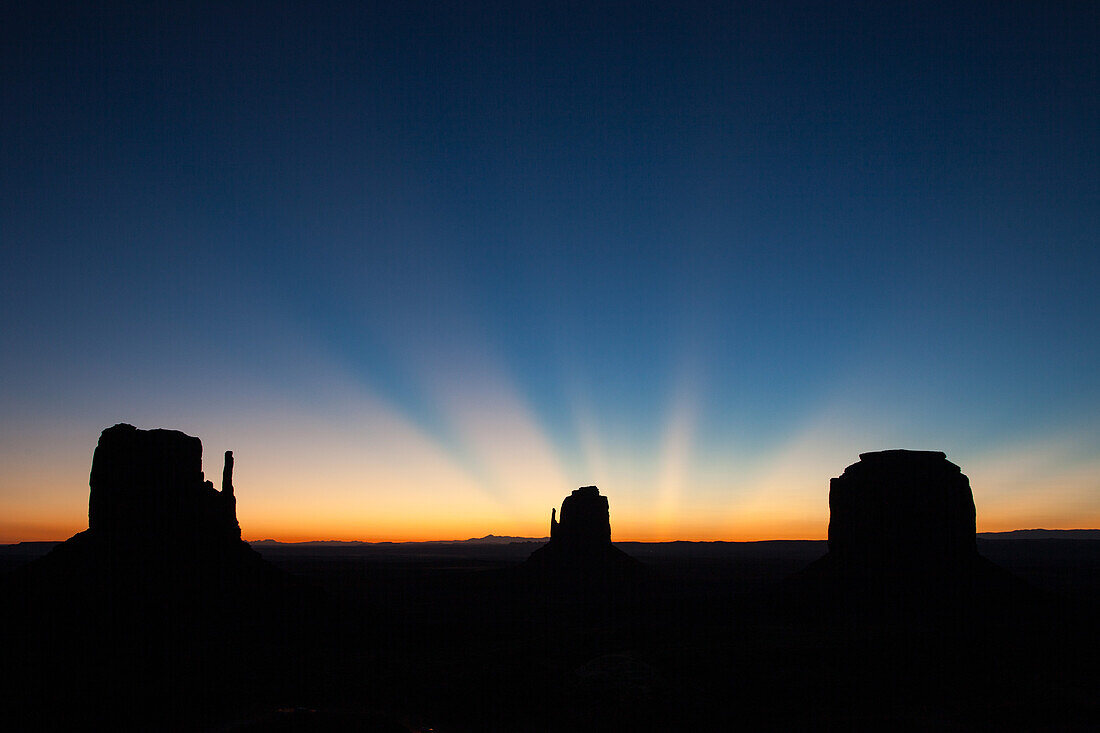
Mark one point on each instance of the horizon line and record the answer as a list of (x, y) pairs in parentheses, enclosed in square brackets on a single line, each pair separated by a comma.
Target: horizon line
[(520, 539)]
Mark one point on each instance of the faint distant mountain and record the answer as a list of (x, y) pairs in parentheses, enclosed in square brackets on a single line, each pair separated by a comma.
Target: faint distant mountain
[(492, 539), (1042, 534), (17, 555), (30, 548), (489, 539)]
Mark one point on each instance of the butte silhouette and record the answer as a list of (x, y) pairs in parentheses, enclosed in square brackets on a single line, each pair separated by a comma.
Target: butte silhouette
[(580, 548), (902, 541), (159, 599), (152, 516)]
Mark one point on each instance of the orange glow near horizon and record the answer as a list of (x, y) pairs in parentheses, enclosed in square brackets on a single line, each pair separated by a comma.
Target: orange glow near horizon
[(627, 525), (47, 531), (365, 472)]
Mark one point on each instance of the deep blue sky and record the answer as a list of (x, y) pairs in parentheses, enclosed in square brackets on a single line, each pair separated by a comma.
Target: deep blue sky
[(675, 243)]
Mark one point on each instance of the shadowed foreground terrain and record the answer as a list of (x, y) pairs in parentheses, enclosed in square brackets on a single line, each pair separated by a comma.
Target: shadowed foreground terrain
[(442, 637), (214, 635)]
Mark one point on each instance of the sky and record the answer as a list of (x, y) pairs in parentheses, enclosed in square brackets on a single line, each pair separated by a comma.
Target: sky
[(427, 267)]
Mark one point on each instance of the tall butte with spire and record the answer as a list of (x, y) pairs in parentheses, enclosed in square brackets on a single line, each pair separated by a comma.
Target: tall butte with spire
[(155, 521), (580, 541), (148, 492), (159, 599)]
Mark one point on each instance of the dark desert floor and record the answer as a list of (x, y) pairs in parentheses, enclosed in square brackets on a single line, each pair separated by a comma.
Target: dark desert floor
[(452, 637)]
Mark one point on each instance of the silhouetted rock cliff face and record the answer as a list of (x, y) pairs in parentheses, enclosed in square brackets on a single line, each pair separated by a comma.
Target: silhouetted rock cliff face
[(154, 521), (585, 519), (901, 509), (147, 487), (159, 598), (902, 543), (580, 546)]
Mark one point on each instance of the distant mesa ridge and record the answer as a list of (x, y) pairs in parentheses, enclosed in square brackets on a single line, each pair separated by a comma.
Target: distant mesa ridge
[(1042, 534), (489, 539)]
